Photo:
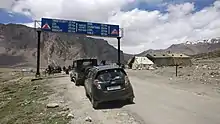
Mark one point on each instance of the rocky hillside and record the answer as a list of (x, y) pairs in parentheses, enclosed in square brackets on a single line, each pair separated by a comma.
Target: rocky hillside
[(190, 49), (18, 45)]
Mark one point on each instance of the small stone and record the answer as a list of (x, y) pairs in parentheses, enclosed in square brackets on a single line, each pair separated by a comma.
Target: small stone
[(204, 66), (52, 105), (44, 93), (88, 119), (199, 94), (35, 87), (70, 115), (9, 98), (66, 109)]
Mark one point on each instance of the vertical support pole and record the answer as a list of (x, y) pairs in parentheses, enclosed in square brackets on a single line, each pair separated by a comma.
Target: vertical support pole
[(176, 70), (38, 53), (119, 51)]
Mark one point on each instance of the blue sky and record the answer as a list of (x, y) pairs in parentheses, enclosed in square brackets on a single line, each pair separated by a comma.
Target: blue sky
[(161, 4), (13, 17)]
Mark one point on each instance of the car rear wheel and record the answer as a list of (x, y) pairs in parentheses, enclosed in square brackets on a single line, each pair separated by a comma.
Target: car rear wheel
[(130, 100), (95, 104), (71, 79), (87, 95), (77, 83)]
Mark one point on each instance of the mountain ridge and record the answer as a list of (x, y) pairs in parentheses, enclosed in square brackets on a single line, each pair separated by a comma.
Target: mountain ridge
[(189, 48), (18, 47), (21, 41)]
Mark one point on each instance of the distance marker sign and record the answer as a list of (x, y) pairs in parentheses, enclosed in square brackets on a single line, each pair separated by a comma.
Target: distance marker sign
[(79, 27)]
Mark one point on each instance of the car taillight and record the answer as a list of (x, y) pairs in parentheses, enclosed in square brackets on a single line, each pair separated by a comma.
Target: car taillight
[(127, 81), (97, 84)]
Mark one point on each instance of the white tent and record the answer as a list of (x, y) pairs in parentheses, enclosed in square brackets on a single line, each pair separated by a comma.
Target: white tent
[(141, 63)]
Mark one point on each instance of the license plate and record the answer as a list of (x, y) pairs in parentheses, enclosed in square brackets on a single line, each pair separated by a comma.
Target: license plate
[(114, 88)]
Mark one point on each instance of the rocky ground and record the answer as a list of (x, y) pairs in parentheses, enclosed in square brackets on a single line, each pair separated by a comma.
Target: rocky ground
[(205, 71), (23, 101)]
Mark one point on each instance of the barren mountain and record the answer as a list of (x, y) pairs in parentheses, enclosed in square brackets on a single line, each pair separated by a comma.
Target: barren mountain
[(190, 49), (18, 45)]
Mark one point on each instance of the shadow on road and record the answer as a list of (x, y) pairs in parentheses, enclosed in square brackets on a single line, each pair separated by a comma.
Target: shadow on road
[(114, 104)]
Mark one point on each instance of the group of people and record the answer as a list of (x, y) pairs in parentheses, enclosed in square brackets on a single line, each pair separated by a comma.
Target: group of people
[(67, 69), (57, 69)]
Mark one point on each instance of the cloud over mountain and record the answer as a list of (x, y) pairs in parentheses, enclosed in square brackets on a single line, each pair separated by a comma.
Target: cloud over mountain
[(147, 23)]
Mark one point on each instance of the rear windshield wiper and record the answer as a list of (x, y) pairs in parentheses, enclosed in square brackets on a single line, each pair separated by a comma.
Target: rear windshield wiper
[(115, 78)]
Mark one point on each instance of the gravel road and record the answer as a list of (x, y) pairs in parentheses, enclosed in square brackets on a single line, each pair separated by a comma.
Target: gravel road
[(158, 101)]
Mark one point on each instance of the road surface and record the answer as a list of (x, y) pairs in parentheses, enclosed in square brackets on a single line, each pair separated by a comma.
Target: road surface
[(159, 103), (156, 102)]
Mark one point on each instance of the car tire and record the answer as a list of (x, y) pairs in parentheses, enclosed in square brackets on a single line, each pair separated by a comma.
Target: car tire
[(95, 104), (130, 100), (76, 82), (71, 79), (87, 95)]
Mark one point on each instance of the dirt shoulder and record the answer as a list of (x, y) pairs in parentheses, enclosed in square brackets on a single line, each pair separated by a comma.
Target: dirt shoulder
[(25, 102)]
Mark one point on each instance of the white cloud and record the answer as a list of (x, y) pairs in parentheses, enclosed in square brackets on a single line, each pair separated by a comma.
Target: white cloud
[(142, 29), (6, 3)]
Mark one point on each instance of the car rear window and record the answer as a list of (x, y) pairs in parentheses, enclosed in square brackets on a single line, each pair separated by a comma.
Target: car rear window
[(111, 74), (87, 63)]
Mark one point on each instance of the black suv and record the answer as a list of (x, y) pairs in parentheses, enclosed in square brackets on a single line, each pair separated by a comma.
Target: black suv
[(77, 75), (108, 83)]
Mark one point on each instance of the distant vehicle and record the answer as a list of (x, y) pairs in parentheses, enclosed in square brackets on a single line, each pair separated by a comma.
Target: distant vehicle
[(77, 74), (108, 83)]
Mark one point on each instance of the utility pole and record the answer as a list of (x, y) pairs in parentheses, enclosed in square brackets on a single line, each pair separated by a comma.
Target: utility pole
[(38, 53), (119, 51)]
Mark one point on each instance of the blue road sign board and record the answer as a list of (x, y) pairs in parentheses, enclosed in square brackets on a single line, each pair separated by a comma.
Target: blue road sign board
[(78, 27)]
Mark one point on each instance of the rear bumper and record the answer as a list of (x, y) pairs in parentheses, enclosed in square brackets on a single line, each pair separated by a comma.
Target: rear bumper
[(104, 96)]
